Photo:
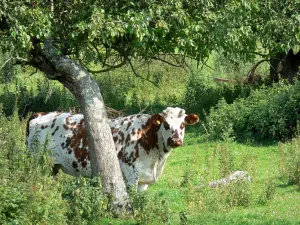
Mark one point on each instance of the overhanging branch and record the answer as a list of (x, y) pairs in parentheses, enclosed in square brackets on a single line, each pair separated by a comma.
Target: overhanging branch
[(250, 76), (165, 61), (139, 76), (110, 67)]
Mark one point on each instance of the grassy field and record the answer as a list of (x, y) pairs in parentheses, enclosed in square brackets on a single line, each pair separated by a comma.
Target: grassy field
[(266, 200)]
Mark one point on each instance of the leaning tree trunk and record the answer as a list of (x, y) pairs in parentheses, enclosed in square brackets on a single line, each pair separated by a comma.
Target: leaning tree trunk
[(104, 159)]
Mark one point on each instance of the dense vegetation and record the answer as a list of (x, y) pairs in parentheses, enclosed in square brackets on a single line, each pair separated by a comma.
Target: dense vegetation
[(177, 50), (32, 195)]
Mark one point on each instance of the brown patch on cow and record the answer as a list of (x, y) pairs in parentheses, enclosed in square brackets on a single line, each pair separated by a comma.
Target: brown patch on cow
[(32, 117), (56, 129), (68, 119), (79, 138), (139, 132), (115, 139), (191, 119), (131, 117), (127, 139), (138, 116), (74, 164), (83, 164), (65, 127), (149, 138), (42, 127), (68, 142), (133, 132), (137, 153), (73, 123), (129, 124), (121, 153), (127, 158), (53, 123), (166, 125)]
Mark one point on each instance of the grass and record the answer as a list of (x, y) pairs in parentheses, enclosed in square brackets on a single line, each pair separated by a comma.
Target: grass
[(172, 200), (268, 199), (281, 206)]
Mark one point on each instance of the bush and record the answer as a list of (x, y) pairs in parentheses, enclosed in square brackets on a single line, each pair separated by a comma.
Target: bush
[(201, 96), (29, 195), (268, 113)]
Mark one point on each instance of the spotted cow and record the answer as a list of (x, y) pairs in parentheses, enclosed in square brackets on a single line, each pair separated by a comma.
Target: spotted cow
[(143, 142)]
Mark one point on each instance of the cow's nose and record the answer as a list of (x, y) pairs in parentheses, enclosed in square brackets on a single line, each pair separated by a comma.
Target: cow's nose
[(175, 142)]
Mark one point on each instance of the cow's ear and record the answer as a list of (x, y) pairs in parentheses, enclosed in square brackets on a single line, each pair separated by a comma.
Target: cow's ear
[(157, 119), (191, 119)]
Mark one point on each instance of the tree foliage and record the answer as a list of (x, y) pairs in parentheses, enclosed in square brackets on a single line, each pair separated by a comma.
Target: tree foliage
[(113, 32)]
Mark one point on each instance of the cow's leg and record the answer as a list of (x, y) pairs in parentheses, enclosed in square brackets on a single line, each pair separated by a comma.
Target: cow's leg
[(130, 173), (56, 169), (142, 187)]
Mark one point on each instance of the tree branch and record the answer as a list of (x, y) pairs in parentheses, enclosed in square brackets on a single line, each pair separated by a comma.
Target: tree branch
[(110, 67), (139, 76), (16, 61), (250, 76), (165, 61), (7, 61)]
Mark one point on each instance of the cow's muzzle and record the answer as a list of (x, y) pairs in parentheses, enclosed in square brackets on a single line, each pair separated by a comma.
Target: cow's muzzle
[(175, 142)]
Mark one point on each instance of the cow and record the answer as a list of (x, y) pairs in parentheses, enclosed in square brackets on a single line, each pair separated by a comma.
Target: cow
[(143, 142)]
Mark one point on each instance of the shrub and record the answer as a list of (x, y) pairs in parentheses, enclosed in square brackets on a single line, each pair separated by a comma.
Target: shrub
[(268, 113), (29, 195), (86, 200), (201, 96), (151, 209)]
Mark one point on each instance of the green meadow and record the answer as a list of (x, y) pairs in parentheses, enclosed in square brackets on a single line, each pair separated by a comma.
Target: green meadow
[(31, 195)]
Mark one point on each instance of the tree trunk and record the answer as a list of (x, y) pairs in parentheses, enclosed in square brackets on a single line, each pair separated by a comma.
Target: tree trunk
[(284, 64), (274, 62), (104, 159)]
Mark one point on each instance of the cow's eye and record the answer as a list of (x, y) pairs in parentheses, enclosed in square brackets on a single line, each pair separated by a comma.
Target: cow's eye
[(166, 126), (182, 126)]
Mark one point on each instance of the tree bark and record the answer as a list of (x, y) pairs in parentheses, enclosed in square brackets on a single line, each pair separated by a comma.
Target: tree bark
[(284, 64), (274, 62), (104, 159)]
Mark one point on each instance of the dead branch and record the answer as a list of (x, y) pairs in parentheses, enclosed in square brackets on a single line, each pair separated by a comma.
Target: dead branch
[(250, 76)]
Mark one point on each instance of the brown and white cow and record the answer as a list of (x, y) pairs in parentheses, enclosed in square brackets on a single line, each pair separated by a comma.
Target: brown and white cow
[(143, 142)]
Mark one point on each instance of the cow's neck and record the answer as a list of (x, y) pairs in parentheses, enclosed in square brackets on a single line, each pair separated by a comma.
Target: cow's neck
[(163, 149)]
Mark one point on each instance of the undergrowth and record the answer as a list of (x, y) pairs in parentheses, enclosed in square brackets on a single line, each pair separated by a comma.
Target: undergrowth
[(30, 195)]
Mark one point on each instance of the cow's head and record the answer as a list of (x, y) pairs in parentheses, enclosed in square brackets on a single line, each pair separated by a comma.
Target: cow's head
[(171, 123)]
